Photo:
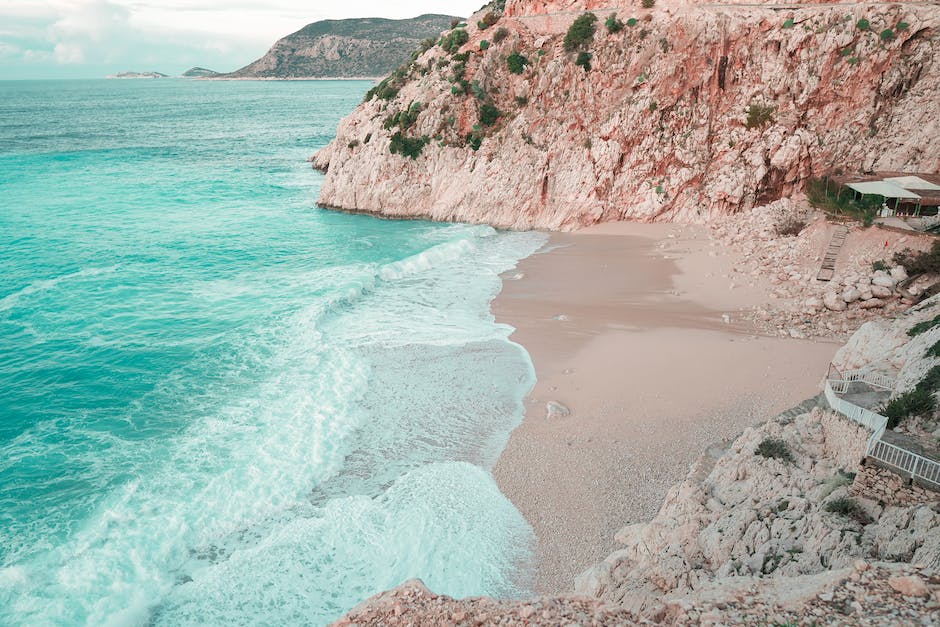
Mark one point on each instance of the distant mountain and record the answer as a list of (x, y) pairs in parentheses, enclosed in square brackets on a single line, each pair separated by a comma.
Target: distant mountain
[(139, 75), (369, 47), (199, 72)]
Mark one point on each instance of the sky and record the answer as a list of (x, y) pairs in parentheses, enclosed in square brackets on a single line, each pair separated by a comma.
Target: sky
[(94, 38)]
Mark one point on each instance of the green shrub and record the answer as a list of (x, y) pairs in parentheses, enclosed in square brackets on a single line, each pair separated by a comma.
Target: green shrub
[(453, 41), (649, 4), (517, 63), (849, 508), (920, 262), (903, 26), (653, 106), (584, 60), (613, 24), (916, 402), (773, 448), (632, 21), (934, 351), (408, 146), (484, 45), (828, 195), (887, 35), (863, 24), (500, 34), (489, 114), (522, 101), (475, 138), (880, 266), (923, 327), (788, 23), (759, 115), (581, 31), (488, 20), (353, 144), (478, 92)]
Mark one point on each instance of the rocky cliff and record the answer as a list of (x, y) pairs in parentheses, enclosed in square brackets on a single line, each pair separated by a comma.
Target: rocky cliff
[(679, 112), (352, 48)]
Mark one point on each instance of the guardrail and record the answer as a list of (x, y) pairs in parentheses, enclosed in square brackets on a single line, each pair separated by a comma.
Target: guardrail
[(907, 462), (904, 461)]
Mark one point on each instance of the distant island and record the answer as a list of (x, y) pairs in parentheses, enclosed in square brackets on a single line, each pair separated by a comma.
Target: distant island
[(199, 72), (138, 75), (353, 48)]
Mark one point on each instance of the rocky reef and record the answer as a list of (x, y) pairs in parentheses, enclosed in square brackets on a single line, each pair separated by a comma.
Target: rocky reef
[(677, 112)]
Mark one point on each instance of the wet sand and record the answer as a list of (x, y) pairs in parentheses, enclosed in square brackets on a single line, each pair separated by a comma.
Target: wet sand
[(635, 329)]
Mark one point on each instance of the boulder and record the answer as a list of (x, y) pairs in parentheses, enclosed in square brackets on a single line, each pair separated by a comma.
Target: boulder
[(910, 586), (874, 303), (851, 295), (878, 291), (898, 273), (834, 303), (883, 280)]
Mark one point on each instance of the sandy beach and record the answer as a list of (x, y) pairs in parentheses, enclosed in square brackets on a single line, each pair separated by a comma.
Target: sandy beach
[(636, 329)]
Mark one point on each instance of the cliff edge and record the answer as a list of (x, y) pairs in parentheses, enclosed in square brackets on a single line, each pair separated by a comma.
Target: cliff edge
[(683, 111)]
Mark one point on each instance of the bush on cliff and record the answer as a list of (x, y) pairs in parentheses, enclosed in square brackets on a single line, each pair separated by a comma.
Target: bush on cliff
[(773, 448), (613, 24), (584, 60), (488, 20), (863, 24), (454, 40), (500, 34), (581, 31), (517, 63), (649, 4), (849, 508), (916, 402), (920, 262), (489, 114), (759, 116), (408, 146)]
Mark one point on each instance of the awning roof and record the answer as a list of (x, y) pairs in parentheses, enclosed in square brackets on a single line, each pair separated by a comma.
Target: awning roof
[(883, 188), (913, 182)]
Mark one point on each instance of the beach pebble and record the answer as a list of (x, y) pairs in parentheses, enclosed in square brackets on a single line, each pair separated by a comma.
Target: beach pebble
[(554, 410)]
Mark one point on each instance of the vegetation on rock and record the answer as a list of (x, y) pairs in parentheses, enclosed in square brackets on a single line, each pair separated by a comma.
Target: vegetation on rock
[(408, 146), (759, 116), (829, 196), (773, 448), (517, 63), (581, 31), (584, 60), (920, 262), (453, 41), (845, 506), (613, 24)]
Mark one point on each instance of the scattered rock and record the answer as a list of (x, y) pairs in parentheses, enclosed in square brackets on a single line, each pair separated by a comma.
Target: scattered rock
[(555, 410)]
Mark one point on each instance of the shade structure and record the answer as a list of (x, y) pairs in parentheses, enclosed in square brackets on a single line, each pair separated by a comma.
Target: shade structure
[(884, 188), (913, 183)]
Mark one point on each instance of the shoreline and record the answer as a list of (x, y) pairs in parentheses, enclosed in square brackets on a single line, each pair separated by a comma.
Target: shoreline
[(605, 313)]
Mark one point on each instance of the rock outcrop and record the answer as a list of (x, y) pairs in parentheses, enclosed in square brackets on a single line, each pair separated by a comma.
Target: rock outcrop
[(354, 48), (687, 112)]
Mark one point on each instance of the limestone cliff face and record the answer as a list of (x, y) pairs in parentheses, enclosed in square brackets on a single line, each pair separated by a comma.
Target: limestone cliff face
[(690, 111)]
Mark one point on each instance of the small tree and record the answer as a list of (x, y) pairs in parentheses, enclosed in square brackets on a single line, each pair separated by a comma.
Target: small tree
[(649, 4), (863, 24), (488, 20), (613, 24), (759, 115), (581, 31), (454, 40), (489, 114), (484, 45), (584, 60), (517, 63), (500, 34)]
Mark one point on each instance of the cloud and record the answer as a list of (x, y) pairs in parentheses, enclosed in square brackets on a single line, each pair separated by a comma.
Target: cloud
[(96, 37)]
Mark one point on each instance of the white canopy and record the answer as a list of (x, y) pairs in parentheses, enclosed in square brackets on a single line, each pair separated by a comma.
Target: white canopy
[(883, 188), (913, 182)]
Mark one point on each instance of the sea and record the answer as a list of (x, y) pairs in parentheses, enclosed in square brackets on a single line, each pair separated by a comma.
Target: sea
[(220, 404)]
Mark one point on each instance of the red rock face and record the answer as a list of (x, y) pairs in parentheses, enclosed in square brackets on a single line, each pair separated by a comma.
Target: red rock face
[(690, 112)]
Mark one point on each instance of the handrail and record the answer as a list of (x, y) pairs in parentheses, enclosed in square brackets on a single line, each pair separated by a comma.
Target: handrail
[(907, 462)]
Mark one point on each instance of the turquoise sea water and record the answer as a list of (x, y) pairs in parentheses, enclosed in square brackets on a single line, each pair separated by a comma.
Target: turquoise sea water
[(219, 404)]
